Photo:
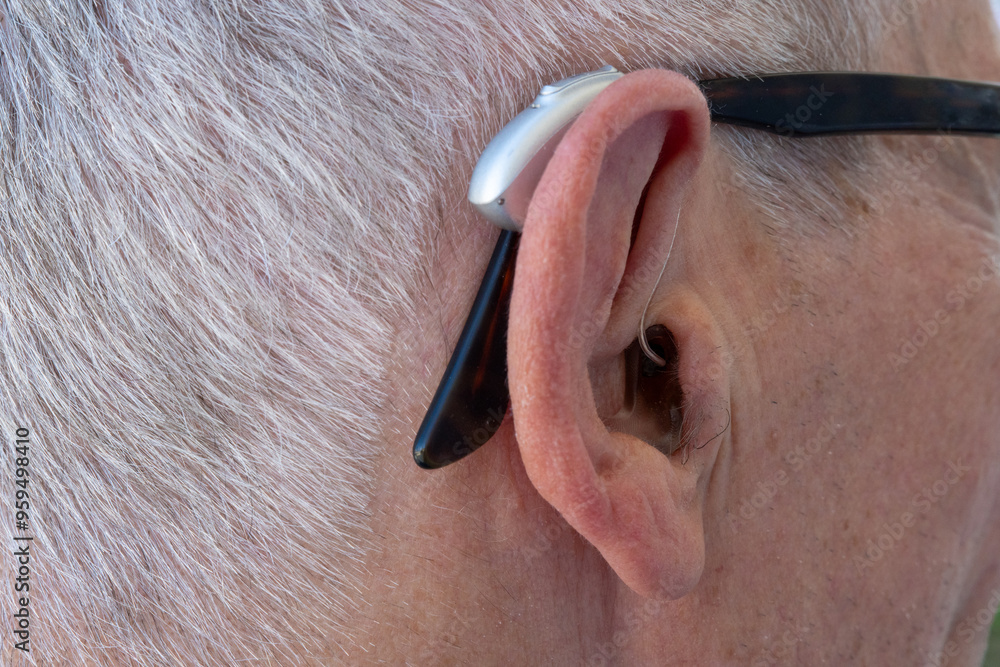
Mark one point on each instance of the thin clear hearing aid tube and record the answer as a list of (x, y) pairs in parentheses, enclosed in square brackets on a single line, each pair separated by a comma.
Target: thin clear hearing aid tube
[(643, 343)]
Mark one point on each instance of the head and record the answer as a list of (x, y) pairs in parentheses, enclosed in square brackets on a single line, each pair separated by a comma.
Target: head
[(239, 257)]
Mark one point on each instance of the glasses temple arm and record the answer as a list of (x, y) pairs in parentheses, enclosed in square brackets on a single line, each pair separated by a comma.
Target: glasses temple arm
[(830, 103)]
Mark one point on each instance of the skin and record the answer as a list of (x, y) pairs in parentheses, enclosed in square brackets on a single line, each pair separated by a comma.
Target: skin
[(846, 513)]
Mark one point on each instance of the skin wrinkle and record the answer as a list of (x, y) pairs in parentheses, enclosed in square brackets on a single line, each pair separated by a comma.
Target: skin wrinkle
[(230, 283)]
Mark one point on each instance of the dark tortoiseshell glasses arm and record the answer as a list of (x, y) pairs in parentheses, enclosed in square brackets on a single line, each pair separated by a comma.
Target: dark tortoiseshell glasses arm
[(829, 103)]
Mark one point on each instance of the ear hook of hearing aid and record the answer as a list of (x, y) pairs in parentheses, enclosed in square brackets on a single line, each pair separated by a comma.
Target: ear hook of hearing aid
[(643, 343)]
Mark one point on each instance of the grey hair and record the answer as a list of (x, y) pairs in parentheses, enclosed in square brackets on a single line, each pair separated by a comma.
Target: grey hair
[(213, 214)]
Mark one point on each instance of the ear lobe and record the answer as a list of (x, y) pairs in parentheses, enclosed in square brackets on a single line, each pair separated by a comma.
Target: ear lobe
[(576, 304)]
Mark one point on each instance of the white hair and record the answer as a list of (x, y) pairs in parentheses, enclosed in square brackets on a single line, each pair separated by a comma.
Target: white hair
[(200, 204)]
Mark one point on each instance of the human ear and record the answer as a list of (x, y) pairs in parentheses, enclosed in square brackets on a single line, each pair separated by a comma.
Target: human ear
[(581, 285)]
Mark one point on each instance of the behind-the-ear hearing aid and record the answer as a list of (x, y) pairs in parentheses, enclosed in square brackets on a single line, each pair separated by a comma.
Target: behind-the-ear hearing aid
[(512, 164), (471, 402), (472, 398)]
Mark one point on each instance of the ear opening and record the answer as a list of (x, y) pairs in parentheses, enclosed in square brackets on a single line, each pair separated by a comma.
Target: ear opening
[(653, 407)]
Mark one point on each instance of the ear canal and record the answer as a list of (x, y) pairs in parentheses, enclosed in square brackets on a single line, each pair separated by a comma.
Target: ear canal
[(654, 400), (661, 342), (667, 402)]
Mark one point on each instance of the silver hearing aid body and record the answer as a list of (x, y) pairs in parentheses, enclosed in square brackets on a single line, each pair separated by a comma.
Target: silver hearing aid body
[(513, 162), (511, 165)]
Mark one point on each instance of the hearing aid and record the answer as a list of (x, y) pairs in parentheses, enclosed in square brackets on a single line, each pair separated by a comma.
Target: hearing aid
[(512, 164), (472, 400)]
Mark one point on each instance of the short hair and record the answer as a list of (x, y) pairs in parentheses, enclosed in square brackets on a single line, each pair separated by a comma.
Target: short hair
[(214, 214)]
